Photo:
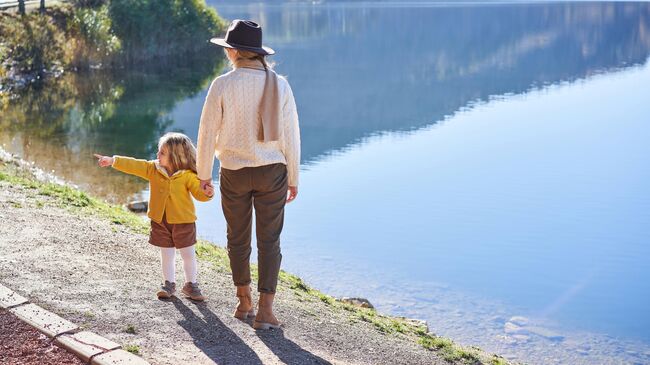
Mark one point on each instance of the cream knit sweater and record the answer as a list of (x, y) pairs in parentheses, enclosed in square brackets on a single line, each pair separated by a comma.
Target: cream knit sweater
[(229, 123)]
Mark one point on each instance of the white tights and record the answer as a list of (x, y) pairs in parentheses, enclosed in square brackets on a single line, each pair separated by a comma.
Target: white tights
[(168, 260)]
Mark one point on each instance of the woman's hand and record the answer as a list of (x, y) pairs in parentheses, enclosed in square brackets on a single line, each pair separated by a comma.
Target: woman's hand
[(103, 161), (207, 187), (292, 193)]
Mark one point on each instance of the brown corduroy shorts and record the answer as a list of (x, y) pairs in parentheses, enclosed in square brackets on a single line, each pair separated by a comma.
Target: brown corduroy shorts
[(178, 235)]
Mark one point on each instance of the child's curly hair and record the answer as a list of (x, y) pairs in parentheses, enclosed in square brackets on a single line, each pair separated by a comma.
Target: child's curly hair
[(181, 151)]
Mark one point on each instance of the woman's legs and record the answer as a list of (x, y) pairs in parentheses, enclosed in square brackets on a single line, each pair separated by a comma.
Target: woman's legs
[(237, 205), (266, 188), (269, 199)]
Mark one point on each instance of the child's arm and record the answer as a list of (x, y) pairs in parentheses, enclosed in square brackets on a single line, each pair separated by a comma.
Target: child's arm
[(194, 186), (129, 165)]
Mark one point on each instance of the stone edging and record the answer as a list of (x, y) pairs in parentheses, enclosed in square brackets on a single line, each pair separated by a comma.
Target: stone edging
[(88, 346)]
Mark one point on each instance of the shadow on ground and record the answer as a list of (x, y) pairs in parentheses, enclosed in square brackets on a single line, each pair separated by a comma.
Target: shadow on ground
[(213, 337), (223, 346), (287, 350)]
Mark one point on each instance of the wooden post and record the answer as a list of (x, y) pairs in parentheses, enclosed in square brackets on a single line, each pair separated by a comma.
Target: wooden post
[(21, 7)]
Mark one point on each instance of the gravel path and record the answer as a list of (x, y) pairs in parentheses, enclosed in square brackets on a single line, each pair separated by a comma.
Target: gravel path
[(103, 276)]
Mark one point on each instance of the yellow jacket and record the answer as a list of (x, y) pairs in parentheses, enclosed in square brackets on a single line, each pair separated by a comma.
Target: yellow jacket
[(168, 194)]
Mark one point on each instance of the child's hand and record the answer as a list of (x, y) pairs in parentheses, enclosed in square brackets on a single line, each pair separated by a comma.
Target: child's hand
[(104, 161), (207, 187), (209, 190)]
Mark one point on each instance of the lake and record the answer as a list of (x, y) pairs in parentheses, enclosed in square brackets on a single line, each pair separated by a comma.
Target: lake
[(463, 163)]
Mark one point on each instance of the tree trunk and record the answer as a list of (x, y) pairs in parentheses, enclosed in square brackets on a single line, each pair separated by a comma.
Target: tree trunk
[(21, 7)]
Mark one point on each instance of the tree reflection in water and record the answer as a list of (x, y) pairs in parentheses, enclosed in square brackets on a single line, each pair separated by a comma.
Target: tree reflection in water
[(59, 124)]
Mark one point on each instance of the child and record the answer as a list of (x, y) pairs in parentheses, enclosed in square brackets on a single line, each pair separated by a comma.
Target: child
[(172, 178)]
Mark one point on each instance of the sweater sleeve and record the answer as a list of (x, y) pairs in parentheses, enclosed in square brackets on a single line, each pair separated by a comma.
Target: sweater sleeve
[(130, 165), (209, 131), (291, 145), (193, 186)]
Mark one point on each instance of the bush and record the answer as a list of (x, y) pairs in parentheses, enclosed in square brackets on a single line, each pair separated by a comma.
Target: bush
[(91, 38), (163, 28), (89, 3), (35, 44)]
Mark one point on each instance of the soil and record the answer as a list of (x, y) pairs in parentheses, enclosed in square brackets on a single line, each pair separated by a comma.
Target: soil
[(21, 344)]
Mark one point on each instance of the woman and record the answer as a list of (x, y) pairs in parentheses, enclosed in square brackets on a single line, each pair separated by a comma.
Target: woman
[(249, 121)]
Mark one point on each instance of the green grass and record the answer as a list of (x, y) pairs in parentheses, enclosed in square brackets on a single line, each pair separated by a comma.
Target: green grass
[(134, 349), (130, 329), (72, 199)]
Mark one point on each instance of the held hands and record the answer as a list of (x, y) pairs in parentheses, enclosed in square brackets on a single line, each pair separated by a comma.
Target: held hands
[(103, 161), (207, 187)]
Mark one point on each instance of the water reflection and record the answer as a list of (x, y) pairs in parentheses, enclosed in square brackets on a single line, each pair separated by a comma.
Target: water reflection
[(59, 124), (407, 68), (356, 71)]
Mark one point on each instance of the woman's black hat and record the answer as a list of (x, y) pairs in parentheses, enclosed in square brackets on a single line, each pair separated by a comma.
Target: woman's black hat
[(244, 34)]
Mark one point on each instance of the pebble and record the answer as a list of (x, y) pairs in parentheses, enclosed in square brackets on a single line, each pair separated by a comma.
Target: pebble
[(546, 333), (519, 320), (512, 329), (521, 338)]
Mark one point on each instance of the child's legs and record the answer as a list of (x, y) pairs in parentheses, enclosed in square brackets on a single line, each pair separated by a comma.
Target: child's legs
[(189, 263), (167, 258)]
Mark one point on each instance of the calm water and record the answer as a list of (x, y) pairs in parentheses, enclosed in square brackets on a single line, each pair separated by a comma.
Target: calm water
[(462, 163)]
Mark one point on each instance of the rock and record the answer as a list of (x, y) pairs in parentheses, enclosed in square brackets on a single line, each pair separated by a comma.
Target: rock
[(497, 319), (582, 352), (416, 322), (519, 320), (359, 302), (138, 206), (512, 329), (546, 333), (521, 338)]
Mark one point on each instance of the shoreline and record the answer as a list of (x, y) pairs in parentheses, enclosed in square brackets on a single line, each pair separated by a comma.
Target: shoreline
[(21, 174)]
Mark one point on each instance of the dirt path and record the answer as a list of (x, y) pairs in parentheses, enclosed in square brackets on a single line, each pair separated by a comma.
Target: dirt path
[(103, 276)]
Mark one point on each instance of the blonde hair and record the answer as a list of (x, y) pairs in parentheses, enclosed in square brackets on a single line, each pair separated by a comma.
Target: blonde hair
[(181, 151), (249, 55)]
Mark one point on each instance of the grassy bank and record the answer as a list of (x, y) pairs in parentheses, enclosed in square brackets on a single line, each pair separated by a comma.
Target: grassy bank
[(102, 34), (80, 203)]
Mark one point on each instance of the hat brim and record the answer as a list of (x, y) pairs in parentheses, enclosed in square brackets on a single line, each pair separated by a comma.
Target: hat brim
[(264, 50)]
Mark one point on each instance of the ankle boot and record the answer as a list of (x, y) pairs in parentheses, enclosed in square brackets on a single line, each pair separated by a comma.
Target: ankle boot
[(265, 306), (244, 309)]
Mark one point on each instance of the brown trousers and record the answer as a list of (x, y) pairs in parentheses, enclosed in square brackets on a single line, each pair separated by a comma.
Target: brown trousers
[(265, 189)]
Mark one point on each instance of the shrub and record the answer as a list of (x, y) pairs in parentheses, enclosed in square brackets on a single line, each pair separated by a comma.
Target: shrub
[(35, 44), (91, 40), (163, 28)]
